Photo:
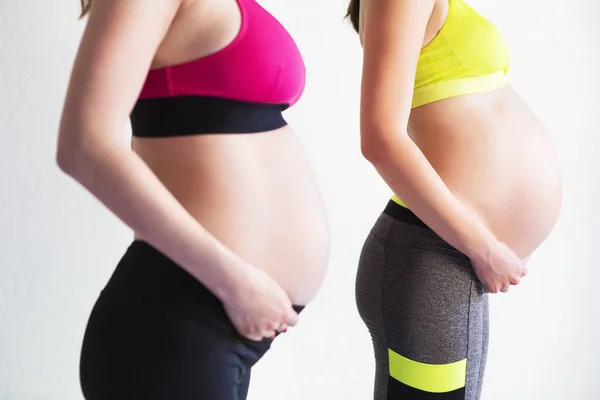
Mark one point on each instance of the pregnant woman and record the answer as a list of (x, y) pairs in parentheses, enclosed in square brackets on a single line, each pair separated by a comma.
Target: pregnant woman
[(231, 240), (476, 185)]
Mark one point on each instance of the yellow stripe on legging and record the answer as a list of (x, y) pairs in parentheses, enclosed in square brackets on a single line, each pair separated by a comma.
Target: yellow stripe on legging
[(397, 200), (434, 378)]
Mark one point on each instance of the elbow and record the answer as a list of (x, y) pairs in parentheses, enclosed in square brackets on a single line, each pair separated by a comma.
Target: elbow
[(69, 154), (65, 159), (72, 154), (370, 143), (83, 142), (80, 157), (68, 145), (377, 146), (370, 150)]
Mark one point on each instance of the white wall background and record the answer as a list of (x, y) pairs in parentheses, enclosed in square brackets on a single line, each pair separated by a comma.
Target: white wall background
[(58, 245)]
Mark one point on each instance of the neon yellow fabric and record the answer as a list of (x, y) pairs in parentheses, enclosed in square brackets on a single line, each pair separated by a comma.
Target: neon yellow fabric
[(431, 378), (468, 55), (397, 200)]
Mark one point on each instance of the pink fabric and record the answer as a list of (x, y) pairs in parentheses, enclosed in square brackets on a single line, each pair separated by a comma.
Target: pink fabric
[(262, 64)]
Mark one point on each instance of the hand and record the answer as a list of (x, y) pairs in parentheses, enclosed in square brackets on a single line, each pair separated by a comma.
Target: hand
[(500, 269), (259, 307)]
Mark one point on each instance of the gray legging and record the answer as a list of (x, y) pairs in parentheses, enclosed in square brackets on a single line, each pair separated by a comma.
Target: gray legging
[(425, 309)]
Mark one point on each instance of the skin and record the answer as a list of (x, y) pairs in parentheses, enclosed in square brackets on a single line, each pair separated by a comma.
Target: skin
[(479, 169), (242, 213)]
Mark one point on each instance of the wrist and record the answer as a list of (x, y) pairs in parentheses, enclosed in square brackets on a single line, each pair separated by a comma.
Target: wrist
[(234, 276), (222, 271), (478, 241)]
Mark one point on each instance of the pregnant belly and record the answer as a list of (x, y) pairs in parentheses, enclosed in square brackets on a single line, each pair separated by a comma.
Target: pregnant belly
[(498, 160), (255, 193), (286, 237)]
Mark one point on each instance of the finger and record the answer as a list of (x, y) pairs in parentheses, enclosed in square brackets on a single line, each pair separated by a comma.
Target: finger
[(504, 289), (277, 327), (291, 318), (514, 281), (269, 334), (492, 290), (253, 334)]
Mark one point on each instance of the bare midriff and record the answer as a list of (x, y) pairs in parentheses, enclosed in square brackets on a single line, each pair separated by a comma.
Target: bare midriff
[(495, 156), (256, 193)]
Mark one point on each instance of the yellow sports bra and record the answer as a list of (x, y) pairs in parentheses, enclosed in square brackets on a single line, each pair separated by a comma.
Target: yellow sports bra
[(468, 55)]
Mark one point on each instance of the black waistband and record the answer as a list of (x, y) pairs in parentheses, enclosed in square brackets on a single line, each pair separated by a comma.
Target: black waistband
[(400, 213), (193, 115), (146, 271)]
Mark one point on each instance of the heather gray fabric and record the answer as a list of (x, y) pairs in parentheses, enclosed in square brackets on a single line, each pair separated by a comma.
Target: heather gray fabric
[(420, 298)]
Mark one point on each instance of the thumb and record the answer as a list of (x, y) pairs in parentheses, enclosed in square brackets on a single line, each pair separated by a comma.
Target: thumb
[(292, 317)]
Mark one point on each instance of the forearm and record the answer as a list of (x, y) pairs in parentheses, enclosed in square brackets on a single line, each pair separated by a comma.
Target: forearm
[(126, 185), (412, 178)]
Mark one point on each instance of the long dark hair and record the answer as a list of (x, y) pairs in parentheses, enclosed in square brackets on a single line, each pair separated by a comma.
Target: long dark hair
[(85, 7), (352, 14)]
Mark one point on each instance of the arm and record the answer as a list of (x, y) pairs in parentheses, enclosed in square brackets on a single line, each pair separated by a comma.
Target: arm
[(115, 54), (392, 39)]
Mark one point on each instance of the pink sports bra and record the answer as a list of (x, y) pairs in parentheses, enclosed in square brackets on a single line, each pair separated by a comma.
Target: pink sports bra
[(242, 88)]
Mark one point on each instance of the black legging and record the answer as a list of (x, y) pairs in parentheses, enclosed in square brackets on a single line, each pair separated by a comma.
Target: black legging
[(156, 333)]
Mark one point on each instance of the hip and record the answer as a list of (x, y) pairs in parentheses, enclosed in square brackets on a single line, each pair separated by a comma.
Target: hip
[(399, 235), (404, 264), (156, 330)]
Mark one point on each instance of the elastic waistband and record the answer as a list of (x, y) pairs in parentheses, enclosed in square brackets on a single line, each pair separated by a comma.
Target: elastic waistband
[(147, 272), (400, 213), (423, 239)]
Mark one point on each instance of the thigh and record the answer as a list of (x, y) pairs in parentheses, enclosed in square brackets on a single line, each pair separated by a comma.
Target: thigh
[(148, 349), (433, 316)]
